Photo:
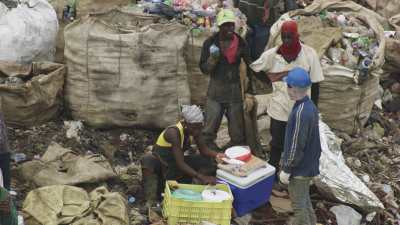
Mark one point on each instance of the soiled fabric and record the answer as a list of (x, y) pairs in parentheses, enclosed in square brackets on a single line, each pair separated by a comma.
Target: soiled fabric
[(61, 204), (231, 51), (62, 166)]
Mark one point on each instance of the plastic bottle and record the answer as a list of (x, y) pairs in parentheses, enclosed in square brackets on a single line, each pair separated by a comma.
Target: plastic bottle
[(20, 220), (207, 23), (364, 69), (323, 14), (131, 200), (19, 157), (65, 13), (214, 50), (341, 20), (335, 54), (351, 59)]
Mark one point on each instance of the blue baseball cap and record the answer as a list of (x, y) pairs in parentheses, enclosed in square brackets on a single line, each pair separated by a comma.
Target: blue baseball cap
[(298, 77)]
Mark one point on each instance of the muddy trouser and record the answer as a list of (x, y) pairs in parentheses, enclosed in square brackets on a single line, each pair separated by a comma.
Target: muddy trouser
[(277, 130), (5, 159), (299, 192), (214, 114), (167, 169)]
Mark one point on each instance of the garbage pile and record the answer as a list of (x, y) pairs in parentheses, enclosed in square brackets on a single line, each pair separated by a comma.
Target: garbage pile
[(198, 15), (351, 45), (374, 157), (358, 46)]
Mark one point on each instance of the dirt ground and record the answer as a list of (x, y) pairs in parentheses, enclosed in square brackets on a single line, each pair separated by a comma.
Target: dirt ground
[(125, 146)]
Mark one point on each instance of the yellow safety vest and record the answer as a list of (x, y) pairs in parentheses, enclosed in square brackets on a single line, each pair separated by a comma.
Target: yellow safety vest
[(161, 139)]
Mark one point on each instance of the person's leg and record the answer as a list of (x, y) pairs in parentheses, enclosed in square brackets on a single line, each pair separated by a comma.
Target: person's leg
[(299, 192), (152, 178), (5, 159), (278, 137), (261, 36), (234, 114), (214, 113), (290, 5), (250, 36)]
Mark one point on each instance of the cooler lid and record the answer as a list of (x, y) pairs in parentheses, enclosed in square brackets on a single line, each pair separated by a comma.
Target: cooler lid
[(248, 181)]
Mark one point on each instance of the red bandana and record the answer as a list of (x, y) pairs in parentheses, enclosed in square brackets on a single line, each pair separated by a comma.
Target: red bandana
[(292, 50), (231, 52)]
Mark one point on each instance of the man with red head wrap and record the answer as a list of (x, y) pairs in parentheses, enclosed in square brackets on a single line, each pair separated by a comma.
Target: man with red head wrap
[(291, 46), (276, 62)]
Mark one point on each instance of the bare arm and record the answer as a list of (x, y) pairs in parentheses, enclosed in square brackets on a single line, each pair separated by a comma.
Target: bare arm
[(204, 150), (172, 136), (277, 76)]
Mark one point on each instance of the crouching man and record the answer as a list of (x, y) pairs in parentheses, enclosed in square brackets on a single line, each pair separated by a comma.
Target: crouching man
[(302, 147), (167, 160)]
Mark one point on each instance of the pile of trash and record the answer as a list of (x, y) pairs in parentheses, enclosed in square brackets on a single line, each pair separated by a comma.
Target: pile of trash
[(198, 15), (360, 162), (358, 46), (63, 153), (374, 156)]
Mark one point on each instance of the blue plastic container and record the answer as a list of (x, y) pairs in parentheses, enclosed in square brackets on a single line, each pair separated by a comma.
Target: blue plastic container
[(249, 192)]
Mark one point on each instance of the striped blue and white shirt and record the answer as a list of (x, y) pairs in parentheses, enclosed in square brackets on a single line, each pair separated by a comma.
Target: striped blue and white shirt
[(302, 148)]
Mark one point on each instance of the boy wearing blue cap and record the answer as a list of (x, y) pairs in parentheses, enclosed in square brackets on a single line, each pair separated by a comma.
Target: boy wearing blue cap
[(302, 147)]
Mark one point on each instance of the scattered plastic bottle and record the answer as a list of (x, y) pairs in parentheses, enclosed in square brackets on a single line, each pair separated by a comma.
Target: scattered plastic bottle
[(19, 157), (131, 200), (323, 14), (66, 13), (341, 20), (20, 220), (364, 69), (214, 50)]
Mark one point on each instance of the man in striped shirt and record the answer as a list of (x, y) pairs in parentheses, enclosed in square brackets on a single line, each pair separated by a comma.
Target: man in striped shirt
[(302, 147)]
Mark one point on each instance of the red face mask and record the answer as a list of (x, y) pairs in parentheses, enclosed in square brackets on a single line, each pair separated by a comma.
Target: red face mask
[(291, 46)]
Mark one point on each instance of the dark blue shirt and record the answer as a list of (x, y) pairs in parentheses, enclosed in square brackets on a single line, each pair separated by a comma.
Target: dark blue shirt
[(302, 148)]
